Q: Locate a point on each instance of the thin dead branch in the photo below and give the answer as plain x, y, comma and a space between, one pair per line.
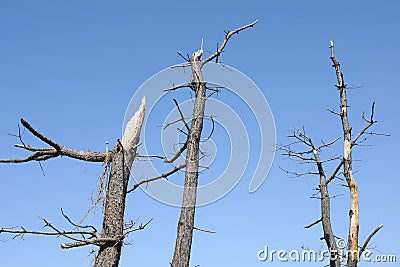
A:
181, 114
162, 176
228, 35
313, 223
175, 87
204, 230
364, 246
180, 151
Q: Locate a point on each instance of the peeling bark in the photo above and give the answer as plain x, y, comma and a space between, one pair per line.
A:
352, 257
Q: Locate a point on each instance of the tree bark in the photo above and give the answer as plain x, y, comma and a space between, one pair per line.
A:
123, 155
183, 244
184, 236
334, 260
352, 256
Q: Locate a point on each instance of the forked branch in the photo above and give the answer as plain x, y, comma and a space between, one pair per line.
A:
41, 154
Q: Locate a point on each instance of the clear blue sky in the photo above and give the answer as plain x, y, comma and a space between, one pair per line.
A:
71, 67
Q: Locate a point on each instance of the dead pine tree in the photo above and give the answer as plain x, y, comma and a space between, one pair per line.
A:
110, 240
311, 155
181, 257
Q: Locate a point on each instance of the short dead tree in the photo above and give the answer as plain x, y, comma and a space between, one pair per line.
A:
305, 151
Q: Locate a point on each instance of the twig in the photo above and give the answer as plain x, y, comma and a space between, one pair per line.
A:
203, 230
212, 129
186, 59
314, 223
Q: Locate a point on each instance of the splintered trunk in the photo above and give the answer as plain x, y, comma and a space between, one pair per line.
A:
122, 157
183, 244
352, 257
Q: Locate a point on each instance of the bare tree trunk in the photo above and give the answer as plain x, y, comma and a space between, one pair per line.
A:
185, 229
183, 244
334, 260
352, 257
123, 155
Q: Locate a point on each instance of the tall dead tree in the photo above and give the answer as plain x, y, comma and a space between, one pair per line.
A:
121, 157
312, 156
181, 257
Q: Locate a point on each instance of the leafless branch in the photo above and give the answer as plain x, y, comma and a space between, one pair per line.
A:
337, 169
313, 223
92, 235
332, 111
185, 65
150, 156
180, 113
298, 174
217, 57
212, 129
369, 238
175, 87
187, 59
328, 144
133, 229
77, 225
228, 35
56, 150
34, 149
180, 151
164, 175
203, 230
